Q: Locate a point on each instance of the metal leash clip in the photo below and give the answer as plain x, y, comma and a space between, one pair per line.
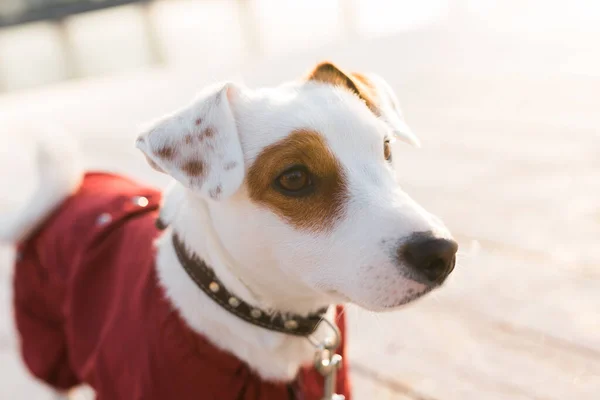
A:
327, 362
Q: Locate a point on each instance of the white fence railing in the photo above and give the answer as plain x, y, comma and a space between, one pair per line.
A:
189, 32
227, 32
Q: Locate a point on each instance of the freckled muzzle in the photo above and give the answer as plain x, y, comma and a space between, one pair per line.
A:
429, 257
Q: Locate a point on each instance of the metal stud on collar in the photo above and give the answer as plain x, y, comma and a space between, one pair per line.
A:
214, 287
290, 324
234, 302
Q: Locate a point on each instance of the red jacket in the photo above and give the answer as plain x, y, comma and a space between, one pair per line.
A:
89, 309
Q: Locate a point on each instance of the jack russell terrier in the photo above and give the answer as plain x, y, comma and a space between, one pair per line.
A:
284, 204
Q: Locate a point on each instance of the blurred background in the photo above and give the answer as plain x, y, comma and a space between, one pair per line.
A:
505, 96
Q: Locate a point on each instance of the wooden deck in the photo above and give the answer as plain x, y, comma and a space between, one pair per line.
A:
510, 160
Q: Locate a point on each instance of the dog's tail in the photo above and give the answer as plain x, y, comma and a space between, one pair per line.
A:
59, 173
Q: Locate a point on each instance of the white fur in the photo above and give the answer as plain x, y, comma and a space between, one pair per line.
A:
59, 173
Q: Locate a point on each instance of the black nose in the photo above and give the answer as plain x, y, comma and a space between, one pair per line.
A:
434, 258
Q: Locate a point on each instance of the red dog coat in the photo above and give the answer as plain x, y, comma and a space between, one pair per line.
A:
89, 309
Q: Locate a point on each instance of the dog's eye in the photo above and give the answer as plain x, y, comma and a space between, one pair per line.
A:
387, 150
294, 181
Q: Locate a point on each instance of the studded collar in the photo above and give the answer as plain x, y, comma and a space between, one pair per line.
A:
207, 281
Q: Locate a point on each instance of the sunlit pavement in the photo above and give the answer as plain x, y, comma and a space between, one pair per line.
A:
510, 161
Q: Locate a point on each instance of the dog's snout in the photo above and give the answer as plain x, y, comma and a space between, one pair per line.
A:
432, 257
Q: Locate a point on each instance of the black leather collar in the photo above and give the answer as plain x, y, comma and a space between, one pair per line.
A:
206, 280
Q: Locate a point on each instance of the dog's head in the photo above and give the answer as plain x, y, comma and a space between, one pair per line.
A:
300, 186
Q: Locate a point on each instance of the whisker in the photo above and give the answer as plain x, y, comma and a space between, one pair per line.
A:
377, 319
434, 296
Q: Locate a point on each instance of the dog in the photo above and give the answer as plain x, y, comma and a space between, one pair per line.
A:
284, 203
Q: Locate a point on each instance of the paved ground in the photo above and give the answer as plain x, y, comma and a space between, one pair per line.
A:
511, 161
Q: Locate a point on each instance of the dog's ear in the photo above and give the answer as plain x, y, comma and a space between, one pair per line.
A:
374, 91
387, 105
199, 145
327, 72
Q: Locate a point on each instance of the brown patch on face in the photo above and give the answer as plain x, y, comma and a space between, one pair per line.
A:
166, 153
359, 84
198, 121
189, 138
193, 168
316, 211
